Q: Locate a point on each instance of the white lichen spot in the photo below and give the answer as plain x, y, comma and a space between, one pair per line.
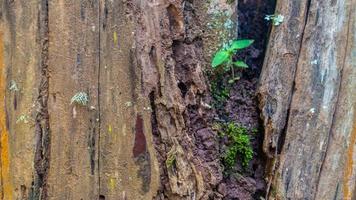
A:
128, 104
23, 118
13, 86
314, 62
147, 108
276, 19
312, 110
228, 24
206, 105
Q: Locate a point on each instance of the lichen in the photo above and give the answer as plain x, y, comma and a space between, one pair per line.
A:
220, 27
80, 98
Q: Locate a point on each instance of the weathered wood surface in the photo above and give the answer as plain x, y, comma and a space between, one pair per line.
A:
73, 65
128, 167
129, 57
19, 67
52, 50
308, 101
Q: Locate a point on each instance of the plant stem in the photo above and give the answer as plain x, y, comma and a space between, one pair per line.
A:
232, 70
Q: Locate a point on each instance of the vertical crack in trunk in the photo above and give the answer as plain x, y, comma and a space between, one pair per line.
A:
282, 135
42, 129
98, 92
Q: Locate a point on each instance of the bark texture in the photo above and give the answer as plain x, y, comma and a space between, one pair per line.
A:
174, 45
52, 148
140, 63
308, 103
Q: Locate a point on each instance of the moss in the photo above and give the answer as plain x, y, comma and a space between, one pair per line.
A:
239, 145
254, 131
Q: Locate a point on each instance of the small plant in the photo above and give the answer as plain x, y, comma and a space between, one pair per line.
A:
240, 145
13, 86
224, 57
80, 98
276, 19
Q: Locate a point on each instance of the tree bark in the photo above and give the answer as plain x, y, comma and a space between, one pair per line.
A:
144, 131
308, 103
141, 65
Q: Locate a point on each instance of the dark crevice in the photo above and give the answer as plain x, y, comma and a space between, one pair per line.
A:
282, 136
42, 129
98, 119
159, 146
241, 106
183, 89
91, 146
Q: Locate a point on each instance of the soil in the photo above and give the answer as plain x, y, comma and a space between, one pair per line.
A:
242, 106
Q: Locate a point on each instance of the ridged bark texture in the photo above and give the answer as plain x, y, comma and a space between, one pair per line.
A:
140, 65
307, 97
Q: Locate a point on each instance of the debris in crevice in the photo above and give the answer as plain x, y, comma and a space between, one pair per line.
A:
42, 128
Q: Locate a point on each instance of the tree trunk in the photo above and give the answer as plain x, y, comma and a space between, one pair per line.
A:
140, 63
109, 99
307, 97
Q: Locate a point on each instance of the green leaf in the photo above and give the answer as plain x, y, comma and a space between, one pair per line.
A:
240, 44
241, 64
219, 58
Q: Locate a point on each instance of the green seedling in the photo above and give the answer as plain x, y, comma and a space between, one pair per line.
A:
224, 57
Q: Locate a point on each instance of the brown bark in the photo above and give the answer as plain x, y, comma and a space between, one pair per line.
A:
172, 50
140, 63
308, 101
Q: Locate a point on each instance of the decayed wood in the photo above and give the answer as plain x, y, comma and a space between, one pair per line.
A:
53, 50
169, 36
317, 153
